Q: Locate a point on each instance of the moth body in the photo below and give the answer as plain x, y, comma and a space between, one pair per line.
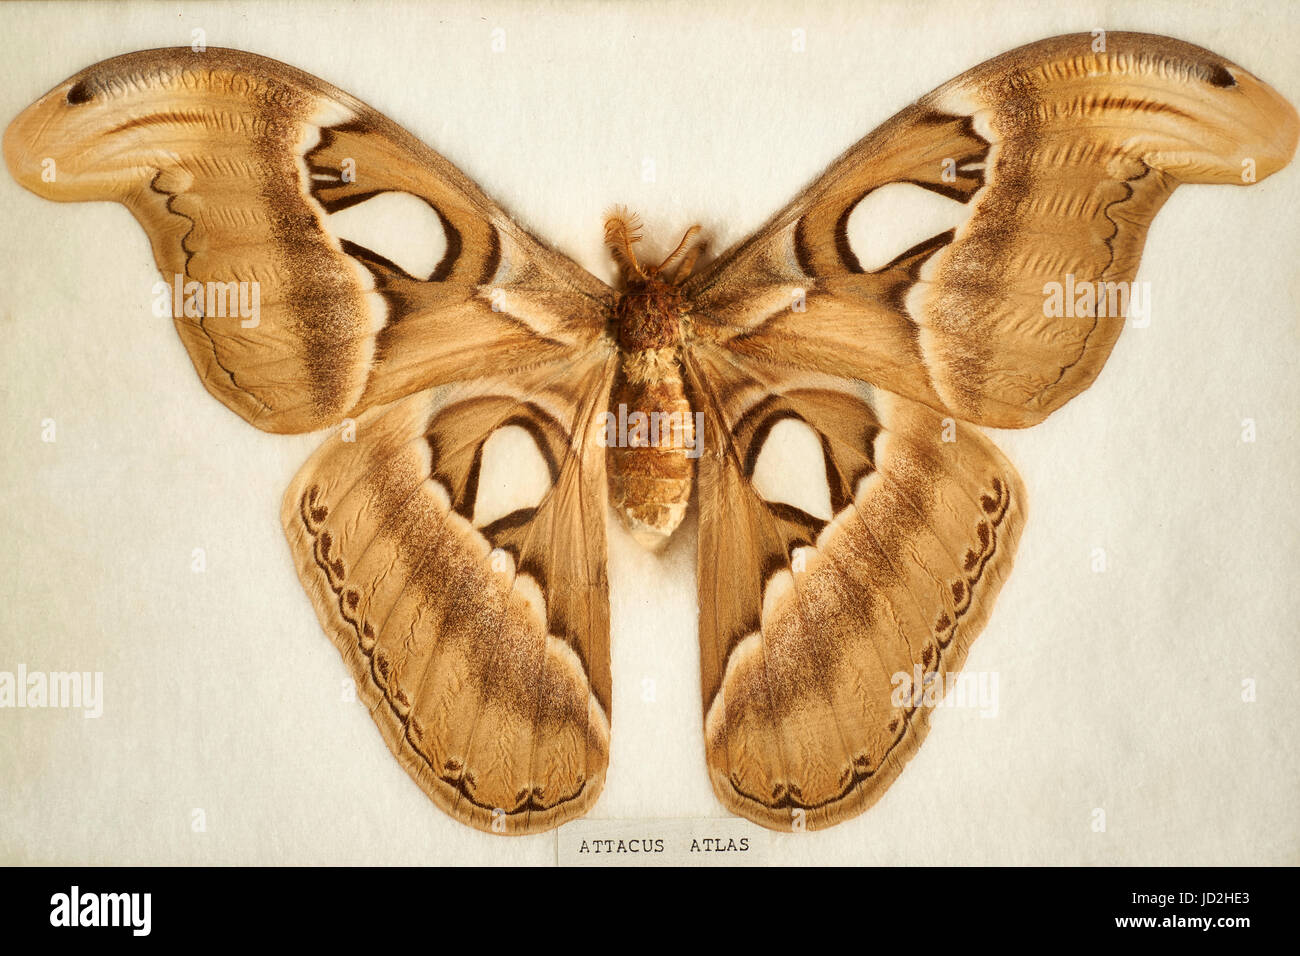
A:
651, 430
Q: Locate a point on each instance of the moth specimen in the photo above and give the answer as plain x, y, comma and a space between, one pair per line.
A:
480, 642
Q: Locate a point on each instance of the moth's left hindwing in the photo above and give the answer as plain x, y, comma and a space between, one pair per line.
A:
482, 651
481, 647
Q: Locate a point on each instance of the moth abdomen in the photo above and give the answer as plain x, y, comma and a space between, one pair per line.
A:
652, 436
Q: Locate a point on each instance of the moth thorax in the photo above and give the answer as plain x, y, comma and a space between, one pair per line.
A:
649, 316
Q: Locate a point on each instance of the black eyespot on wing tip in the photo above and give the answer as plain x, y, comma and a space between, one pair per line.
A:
1221, 76
79, 93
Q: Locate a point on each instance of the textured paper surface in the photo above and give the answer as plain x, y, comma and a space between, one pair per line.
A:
1119, 691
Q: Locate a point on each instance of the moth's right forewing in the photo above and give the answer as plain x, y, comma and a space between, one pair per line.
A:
1062, 154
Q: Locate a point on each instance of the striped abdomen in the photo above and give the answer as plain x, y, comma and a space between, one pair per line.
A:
652, 445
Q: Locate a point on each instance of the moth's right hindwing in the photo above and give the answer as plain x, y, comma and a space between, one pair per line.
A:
813, 631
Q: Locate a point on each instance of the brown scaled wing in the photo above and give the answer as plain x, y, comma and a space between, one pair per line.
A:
811, 630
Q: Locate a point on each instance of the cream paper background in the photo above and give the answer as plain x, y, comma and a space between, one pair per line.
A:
1119, 690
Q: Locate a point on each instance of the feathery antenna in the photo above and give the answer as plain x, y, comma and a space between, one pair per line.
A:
622, 229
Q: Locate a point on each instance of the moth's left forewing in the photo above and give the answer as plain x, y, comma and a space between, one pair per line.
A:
237, 167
